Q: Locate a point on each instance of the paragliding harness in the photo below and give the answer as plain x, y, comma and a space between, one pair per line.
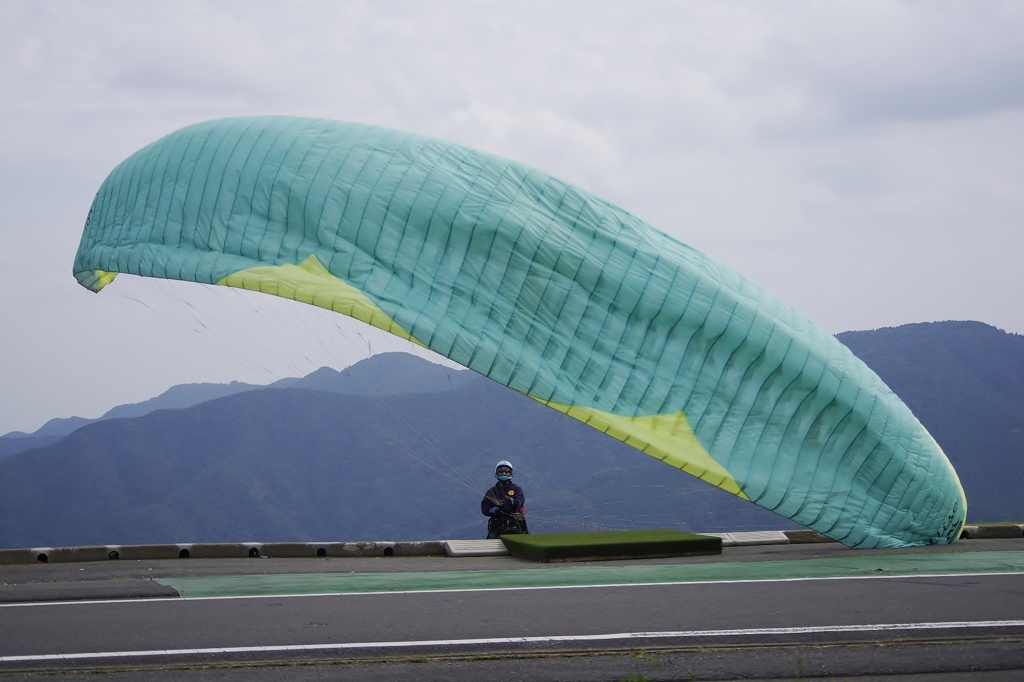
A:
504, 523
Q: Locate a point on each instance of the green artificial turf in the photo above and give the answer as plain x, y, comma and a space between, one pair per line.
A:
619, 544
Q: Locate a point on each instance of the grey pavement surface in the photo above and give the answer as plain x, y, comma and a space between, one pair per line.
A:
387, 617
176, 624
946, 662
113, 579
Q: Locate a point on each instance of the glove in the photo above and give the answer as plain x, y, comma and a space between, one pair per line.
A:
493, 511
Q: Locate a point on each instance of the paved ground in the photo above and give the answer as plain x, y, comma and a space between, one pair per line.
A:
96, 580
776, 612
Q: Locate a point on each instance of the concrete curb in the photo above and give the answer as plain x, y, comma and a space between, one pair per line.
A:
751, 538
220, 550
461, 548
988, 532
240, 550
805, 537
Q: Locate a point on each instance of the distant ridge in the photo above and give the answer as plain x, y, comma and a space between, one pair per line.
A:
965, 382
176, 397
182, 395
382, 374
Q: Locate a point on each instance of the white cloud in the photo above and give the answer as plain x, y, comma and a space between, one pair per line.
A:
860, 159
573, 150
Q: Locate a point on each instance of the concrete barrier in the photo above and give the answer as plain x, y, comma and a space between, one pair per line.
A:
292, 550
352, 549
221, 550
42, 554
985, 532
17, 556
360, 549
139, 552
803, 537
239, 550
225, 550
420, 548
60, 555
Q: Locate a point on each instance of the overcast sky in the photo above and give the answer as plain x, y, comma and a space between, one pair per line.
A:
862, 160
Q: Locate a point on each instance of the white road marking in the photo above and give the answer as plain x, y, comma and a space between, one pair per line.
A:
620, 636
182, 600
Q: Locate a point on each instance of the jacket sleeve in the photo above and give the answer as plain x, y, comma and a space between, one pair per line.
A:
486, 504
517, 501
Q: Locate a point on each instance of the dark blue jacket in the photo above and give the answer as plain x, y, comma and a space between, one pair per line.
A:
498, 496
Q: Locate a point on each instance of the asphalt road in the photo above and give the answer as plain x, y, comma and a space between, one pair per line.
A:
948, 627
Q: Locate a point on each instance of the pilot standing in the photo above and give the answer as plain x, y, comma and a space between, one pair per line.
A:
503, 504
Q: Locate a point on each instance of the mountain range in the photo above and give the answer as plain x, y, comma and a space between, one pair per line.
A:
398, 448
965, 382
403, 377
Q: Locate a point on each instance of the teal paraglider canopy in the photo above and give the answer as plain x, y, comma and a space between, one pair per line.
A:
544, 288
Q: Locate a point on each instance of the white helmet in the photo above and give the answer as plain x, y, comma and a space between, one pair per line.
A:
503, 463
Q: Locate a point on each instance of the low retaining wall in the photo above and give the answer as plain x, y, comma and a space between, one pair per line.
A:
221, 550
240, 550
1002, 530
